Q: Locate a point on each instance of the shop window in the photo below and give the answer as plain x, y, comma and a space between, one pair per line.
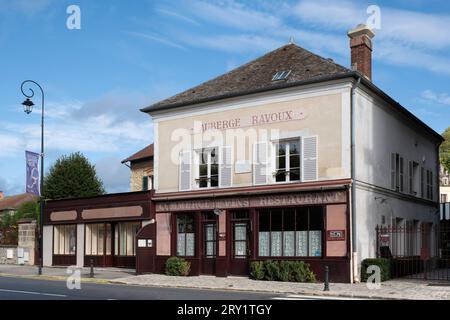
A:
208, 168
185, 235
240, 225
291, 232
287, 161
64, 239
98, 239
125, 238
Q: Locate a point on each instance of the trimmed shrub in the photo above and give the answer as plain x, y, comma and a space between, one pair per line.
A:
257, 270
301, 272
382, 263
283, 270
272, 270
177, 267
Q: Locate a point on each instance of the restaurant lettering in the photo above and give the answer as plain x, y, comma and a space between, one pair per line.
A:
253, 202
254, 120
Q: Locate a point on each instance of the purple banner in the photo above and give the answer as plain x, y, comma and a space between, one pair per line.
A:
32, 172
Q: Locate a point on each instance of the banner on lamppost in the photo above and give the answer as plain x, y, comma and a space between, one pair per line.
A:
32, 160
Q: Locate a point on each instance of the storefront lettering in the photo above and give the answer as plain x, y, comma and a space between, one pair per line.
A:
254, 120
256, 202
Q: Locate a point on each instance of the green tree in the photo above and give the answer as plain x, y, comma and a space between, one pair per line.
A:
72, 176
444, 150
9, 222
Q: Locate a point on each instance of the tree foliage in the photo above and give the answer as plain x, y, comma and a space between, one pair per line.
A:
444, 150
72, 176
9, 221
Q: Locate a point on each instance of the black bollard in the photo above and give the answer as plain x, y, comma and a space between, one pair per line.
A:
40, 267
91, 274
326, 284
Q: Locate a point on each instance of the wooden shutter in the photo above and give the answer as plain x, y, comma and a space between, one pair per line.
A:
410, 177
225, 166
260, 163
185, 171
402, 175
310, 158
144, 183
393, 171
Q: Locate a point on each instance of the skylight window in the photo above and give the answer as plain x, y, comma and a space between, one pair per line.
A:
281, 75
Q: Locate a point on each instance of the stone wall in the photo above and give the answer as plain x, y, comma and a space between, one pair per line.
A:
138, 171
24, 252
27, 242
5, 258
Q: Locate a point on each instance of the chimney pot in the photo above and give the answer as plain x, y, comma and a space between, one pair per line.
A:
361, 49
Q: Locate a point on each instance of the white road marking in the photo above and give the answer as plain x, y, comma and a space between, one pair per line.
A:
301, 297
35, 293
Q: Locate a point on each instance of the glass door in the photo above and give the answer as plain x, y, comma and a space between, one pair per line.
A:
240, 242
209, 250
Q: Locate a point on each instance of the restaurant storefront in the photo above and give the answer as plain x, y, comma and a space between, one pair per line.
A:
101, 229
222, 235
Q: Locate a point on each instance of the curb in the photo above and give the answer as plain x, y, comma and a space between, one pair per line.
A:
53, 278
310, 293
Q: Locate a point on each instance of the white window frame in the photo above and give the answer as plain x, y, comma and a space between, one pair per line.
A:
208, 163
287, 159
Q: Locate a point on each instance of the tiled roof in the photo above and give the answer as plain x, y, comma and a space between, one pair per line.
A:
147, 152
256, 76
13, 202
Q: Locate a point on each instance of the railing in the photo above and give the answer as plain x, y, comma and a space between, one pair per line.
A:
416, 250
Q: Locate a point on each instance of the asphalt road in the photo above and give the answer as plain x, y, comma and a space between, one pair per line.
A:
36, 289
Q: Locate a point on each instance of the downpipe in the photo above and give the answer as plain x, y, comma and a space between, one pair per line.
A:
354, 242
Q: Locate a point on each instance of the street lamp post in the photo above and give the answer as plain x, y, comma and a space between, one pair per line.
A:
28, 107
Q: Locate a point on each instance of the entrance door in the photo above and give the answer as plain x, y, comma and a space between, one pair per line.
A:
209, 250
240, 242
145, 249
98, 245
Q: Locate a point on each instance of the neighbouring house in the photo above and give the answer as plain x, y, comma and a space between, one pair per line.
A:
444, 185
288, 157
101, 229
444, 191
141, 165
10, 204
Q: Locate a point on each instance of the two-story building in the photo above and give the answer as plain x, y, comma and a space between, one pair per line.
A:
290, 156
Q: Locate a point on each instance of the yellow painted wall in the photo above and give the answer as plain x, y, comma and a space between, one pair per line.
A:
322, 117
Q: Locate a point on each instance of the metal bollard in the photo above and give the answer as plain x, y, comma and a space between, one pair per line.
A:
40, 267
326, 283
91, 274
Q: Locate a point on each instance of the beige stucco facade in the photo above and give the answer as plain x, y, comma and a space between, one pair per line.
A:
300, 114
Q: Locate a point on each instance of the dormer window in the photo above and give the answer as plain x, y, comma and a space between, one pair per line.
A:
281, 75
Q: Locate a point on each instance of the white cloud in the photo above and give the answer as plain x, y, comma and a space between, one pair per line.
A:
26, 7
115, 175
240, 43
431, 96
233, 14
103, 125
158, 38
177, 16
10, 145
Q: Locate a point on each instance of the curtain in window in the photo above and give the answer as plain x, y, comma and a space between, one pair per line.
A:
264, 244
64, 239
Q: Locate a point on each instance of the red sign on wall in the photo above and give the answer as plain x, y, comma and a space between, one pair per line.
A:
335, 235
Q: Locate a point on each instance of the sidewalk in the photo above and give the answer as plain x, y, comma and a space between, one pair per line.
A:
393, 289
60, 273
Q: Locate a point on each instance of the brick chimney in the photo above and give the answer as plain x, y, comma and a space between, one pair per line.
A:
1, 195
361, 49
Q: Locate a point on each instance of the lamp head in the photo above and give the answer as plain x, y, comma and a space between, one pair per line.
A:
28, 106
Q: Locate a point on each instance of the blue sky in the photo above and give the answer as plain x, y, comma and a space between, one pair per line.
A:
129, 54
